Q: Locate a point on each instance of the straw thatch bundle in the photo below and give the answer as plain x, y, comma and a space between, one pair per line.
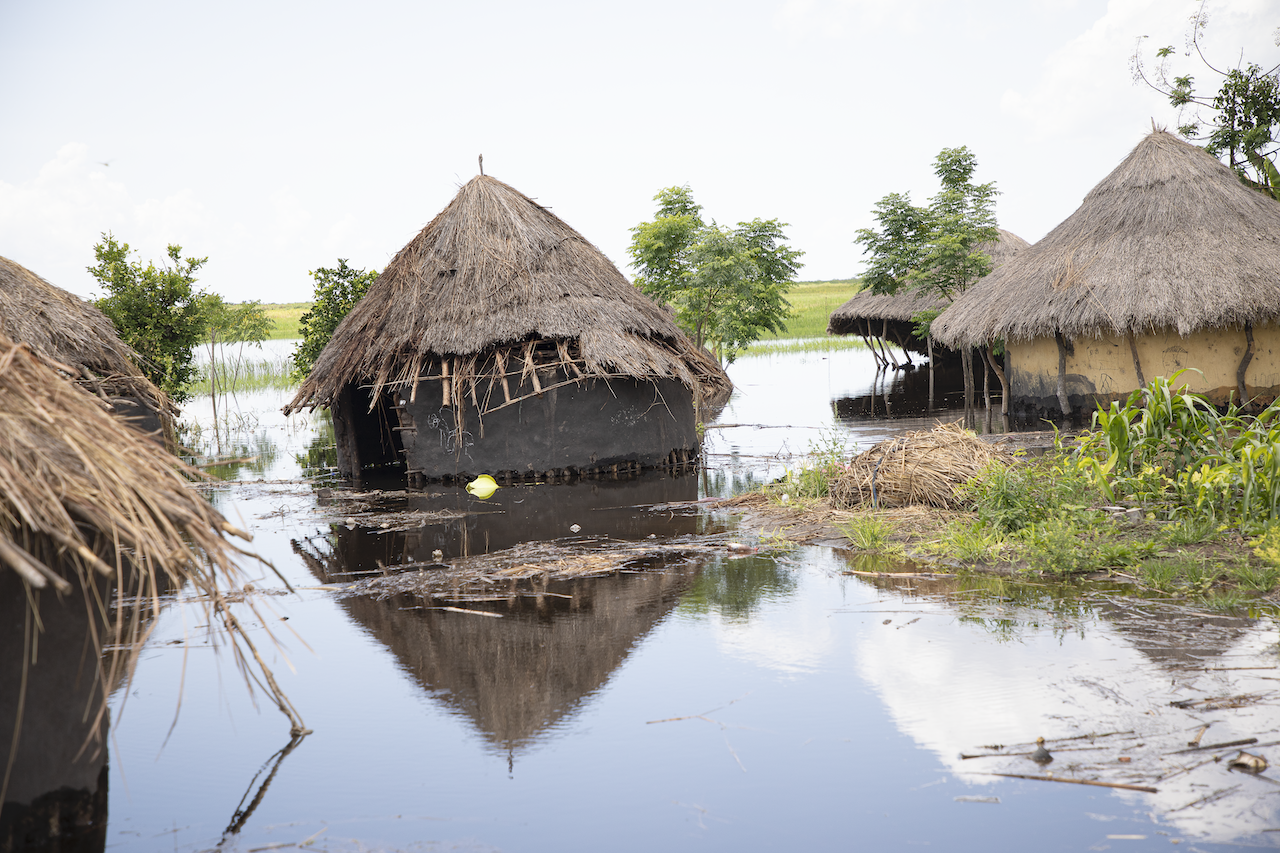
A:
468, 298
1170, 239
851, 317
77, 336
80, 495
918, 468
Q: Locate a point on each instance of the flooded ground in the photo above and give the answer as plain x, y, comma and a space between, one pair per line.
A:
692, 699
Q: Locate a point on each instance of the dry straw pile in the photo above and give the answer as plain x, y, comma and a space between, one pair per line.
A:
918, 468
80, 496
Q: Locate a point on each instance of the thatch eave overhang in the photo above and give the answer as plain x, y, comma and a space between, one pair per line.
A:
1169, 240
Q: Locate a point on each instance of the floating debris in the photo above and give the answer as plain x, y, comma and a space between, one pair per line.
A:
483, 487
1248, 762
527, 568
1041, 755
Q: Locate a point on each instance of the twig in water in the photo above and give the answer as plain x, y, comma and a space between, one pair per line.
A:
1207, 798
1144, 788
463, 610
1187, 769
1224, 745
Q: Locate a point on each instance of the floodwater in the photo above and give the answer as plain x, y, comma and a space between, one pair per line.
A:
764, 702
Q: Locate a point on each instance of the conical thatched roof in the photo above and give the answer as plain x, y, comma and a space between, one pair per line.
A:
1170, 239
904, 305
493, 269
64, 328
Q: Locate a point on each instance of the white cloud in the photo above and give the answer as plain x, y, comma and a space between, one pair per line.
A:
51, 222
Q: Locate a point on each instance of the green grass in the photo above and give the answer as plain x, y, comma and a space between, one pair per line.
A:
248, 374
284, 318
775, 345
813, 302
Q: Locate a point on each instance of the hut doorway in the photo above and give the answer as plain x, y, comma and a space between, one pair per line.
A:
366, 435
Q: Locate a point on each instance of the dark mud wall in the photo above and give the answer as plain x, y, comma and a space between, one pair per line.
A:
589, 425
57, 794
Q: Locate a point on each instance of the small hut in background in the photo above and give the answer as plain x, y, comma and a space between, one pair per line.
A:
884, 320
500, 341
1169, 263
81, 340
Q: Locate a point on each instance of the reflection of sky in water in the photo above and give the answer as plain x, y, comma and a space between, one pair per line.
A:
824, 727
816, 714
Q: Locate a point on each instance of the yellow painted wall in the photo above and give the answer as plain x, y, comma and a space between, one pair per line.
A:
1103, 367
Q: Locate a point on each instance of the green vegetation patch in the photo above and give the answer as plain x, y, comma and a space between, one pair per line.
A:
811, 304
1165, 493
285, 319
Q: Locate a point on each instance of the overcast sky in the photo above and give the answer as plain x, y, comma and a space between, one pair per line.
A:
275, 138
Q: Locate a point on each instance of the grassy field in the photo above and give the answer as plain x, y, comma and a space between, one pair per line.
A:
285, 317
813, 302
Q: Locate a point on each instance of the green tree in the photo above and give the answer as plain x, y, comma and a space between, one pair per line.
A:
898, 247
1238, 123
156, 310
336, 292
727, 286
935, 249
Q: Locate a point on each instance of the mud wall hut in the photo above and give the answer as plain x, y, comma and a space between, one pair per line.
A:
885, 320
1169, 263
83, 342
500, 341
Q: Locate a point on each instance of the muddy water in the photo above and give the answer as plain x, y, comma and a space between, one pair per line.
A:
763, 702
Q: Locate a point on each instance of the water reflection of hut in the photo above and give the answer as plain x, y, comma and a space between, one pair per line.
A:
98, 513
499, 340
884, 320
450, 520
1169, 263
904, 394
517, 676
84, 344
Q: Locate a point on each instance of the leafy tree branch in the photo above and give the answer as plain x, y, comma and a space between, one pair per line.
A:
727, 286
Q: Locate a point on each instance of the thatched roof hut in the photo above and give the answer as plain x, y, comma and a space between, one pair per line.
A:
889, 316
1168, 246
494, 305
83, 342
85, 501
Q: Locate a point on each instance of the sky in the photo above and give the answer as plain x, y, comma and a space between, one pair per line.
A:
274, 138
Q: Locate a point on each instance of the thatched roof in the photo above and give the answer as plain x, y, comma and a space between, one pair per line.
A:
495, 269
1170, 239
63, 327
904, 305
81, 494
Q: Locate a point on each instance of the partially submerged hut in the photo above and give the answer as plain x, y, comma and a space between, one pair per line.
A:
88, 505
1169, 263
83, 342
884, 320
500, 341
